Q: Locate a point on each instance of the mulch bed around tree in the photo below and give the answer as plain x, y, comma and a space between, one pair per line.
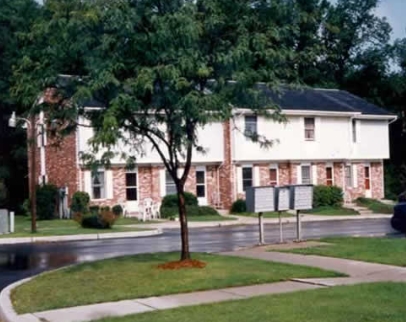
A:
189, 263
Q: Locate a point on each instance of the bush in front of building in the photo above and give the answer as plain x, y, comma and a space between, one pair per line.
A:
171, 201
47, 200
117, 210
94, 210
327, 196
104, 220
238, 206
192, 211
80, 202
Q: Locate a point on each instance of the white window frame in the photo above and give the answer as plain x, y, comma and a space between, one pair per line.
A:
351, 175
310, 173
204, 184
242, 176
250, 126
274, 167
103, 191
330, 165
167, 175
354, 130
309, 129
136, 187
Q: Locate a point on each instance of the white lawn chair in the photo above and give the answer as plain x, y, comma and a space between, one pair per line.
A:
156, 210
148, 207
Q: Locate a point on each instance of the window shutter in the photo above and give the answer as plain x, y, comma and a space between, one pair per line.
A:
239, 180
162, 182
108, 185
256, 179
298, 174
355, 175
314, 174
88, 183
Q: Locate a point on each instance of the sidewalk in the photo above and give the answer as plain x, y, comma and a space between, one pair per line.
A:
51, 239
241, 220
359, 272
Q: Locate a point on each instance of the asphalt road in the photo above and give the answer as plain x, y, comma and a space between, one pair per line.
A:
20, 261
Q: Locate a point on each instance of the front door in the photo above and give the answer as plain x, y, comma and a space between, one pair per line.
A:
367, 179
201, 189
131, 187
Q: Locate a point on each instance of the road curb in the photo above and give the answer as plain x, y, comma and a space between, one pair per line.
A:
7, 313
54, 239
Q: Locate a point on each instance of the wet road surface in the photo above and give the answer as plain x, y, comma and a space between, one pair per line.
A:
20, 261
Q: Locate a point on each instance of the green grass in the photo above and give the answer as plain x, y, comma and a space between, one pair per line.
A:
375, 206
57, 227
122, 221
380, 302
390, 251
332, 211
265, 214
138, 277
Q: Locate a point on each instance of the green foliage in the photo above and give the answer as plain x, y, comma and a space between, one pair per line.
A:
105, 208
80, 202
117, 210
192, 211
94, 210
171, 201
375, 205
3, 194
238, 206
47, 200
395, 181
327, 196
104, 220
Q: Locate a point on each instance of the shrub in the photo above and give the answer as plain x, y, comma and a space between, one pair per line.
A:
238, 206
172, 200
78, 217
327, 196
105, 220
80, 202
192, 211
117, 210
94, 210
47, 199
105, 208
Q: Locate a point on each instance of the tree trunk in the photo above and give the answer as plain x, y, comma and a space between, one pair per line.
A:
184, 231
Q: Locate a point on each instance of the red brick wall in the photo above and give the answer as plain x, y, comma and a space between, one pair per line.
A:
227, 176
377, 175
284, 174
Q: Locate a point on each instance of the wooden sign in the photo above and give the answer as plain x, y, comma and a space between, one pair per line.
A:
283, 198
301, 197
4, 227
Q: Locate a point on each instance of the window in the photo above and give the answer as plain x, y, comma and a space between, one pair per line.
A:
131, 186
250, 125
246, 178
306, 174
348, 176
170, 184
329, 176
273, 176
98, 188
354, 131
309, 128
200, 184
367, 178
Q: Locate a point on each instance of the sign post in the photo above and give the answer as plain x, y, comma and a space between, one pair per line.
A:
261, 229
301, 199
12, 222
260, 200
282, 204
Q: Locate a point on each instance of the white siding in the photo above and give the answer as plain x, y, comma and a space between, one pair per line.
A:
109, 184
372, 140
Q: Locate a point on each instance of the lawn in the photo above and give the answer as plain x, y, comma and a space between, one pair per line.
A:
265, 214
137, 276
380, 302
375, 206
383, 250
331, 211
57, 227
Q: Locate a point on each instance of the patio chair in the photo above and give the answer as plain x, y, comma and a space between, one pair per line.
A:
156, 210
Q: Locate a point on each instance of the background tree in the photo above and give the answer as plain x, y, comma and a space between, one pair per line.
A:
16, 16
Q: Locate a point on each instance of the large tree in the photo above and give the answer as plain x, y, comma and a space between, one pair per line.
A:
160, 69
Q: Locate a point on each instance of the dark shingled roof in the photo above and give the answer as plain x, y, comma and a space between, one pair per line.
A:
329, 100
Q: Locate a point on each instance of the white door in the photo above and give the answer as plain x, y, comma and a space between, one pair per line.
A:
201, 189
367, 179
131, 189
